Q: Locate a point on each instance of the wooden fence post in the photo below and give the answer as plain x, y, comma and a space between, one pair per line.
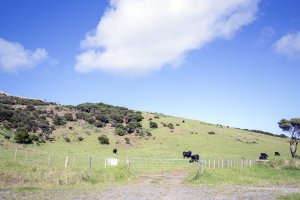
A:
90, 162
66, 163
208, 164
15, 158
73, 162
214, 164
49, 160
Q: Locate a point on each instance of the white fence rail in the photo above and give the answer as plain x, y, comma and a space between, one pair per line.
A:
143, 165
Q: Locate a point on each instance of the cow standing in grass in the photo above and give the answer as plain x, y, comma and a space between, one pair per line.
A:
115, 150
195, 158
187, 154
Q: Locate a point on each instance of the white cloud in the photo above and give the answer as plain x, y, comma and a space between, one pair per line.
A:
289, 45
14, 57
139, 36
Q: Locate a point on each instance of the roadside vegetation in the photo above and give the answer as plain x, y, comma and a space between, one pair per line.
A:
42, 130
275, 172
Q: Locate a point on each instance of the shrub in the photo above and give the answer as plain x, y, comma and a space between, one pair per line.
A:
80, 138
171, 126
67, 139
149, 134
7, 125
120, 132
90, 120
132, 126
34, 137
99, 124
153, 124
177, 124
183, 121
103, 139
68, 117
156, 117
127, 140
22, 137
59, 121
150, 119
30, 107
7, 137
211, 133
101, 118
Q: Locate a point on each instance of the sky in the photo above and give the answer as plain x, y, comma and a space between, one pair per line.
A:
230, 62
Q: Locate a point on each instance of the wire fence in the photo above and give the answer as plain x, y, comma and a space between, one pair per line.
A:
136, 165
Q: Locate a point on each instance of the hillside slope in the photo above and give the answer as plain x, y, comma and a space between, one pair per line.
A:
88, 121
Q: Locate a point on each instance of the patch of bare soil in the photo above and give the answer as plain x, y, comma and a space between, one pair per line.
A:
166, 186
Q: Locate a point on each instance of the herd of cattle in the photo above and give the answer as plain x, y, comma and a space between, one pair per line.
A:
195, 157
188, 154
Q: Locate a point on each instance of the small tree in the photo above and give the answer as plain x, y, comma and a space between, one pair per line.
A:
22, 137
103, 139
293, 128
153, 124
68, 117
57, 120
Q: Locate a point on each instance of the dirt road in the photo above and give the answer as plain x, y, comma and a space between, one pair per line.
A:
167, 186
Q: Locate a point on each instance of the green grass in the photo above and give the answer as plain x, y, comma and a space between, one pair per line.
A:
27, 177
294, 196
259, 175
227, 143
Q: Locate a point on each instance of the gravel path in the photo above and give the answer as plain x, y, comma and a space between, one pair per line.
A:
167, 186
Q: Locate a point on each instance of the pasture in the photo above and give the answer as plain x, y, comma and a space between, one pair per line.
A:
44, 165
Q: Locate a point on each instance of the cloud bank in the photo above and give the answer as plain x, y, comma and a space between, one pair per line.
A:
14, 57
289, 46
135, 37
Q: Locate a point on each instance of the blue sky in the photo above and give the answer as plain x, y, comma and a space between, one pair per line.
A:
234, 63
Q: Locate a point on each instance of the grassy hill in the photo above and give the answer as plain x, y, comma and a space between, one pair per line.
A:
172, 136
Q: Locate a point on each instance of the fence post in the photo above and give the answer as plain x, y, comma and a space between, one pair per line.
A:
208, 164
15, 155
128, 163
214, 164
90, 162
201, 168
66, 163
73, 162
26, 157
222, 163
49, 160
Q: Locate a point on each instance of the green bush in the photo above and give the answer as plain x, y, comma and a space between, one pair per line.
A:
90, 120
132, 126
99, 124
69, 117
7, 136
34, 137
120, 131
127, 140
67, 139
153, 124
59, 121
80, 138
103, 139
171, 126
22, 137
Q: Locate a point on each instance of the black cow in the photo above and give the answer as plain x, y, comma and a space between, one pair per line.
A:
194, 158
187, 154
263, 156
277, 154
115, 150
